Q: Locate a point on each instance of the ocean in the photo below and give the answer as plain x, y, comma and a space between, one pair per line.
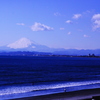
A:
25, 76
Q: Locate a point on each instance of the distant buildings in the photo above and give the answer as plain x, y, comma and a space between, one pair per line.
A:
91, 55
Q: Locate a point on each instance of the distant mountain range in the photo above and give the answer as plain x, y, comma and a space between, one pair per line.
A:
25, 44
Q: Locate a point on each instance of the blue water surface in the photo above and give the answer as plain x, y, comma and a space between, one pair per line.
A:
27, 74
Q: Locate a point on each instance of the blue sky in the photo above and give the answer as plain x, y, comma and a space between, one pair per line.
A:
70, 24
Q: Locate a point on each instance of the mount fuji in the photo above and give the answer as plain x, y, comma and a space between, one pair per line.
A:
25, 44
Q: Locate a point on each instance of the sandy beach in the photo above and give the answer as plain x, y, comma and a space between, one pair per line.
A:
76, 95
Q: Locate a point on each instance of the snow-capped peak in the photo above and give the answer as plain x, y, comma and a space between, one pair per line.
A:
21, 43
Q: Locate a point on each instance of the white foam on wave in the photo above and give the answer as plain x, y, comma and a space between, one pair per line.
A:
16, 89
66, 84
24, 89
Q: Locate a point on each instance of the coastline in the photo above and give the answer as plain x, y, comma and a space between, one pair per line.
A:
75, 95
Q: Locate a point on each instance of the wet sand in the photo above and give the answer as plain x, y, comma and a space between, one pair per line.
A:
76, 95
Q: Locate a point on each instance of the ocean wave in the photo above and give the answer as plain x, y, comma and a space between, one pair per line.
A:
23, 89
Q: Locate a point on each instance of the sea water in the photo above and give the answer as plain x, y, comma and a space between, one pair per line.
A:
24, 76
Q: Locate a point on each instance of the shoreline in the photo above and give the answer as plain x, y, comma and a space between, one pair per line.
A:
75, 95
